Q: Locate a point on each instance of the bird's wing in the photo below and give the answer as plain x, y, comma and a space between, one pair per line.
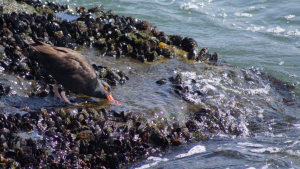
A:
72, 70
68, 67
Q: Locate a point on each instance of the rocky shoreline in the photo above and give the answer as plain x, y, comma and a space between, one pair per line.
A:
91, 137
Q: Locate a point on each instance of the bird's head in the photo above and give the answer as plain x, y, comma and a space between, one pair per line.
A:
103, 90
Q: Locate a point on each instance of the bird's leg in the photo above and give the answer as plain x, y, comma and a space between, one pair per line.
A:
55, 88
63, 95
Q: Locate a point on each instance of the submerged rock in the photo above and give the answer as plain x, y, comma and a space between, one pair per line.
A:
223, 97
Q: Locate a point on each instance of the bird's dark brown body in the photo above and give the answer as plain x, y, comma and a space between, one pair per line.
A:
70, 69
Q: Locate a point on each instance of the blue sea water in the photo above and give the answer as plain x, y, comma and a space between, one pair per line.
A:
260, 34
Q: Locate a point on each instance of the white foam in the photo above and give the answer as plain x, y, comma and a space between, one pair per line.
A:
157, 158
281, 63
224, 15
288, 141
243, 15
297, 126
277, 29
195, 150
187, 6
269, 149
255, 28
289, 17
189, 74
250, 144
156, 161
201, 4
293, 152
293, 33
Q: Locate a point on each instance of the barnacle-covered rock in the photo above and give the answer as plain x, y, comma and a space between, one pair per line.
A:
193, 54
176, 40
214, 57
188, 44
203, 54
151, 56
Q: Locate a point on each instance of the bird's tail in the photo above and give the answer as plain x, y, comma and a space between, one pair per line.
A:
29, 42
33, 42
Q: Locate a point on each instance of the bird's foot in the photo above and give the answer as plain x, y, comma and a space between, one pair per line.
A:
55, 88
76, 104
64, 97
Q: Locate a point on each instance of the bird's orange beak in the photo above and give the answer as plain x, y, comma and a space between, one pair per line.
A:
110, 98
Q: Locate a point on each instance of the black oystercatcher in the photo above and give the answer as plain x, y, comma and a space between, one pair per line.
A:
72, 70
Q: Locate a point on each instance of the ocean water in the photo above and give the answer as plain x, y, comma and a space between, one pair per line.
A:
258, 35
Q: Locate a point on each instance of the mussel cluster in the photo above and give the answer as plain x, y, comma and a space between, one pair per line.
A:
82, 138
113, 35
21, 60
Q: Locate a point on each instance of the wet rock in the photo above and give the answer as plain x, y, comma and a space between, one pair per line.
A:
191, 125
193, 54
155, 32
188, 44
201, 113
141, 58
43, 93
97, 8
23, 67
176, 142
151, 56
214, 57
203, 54
144, 25
162, 81
164, 39
176, 40
159, 139
167, 53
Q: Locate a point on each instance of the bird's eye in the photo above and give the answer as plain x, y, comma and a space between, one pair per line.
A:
106, 88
